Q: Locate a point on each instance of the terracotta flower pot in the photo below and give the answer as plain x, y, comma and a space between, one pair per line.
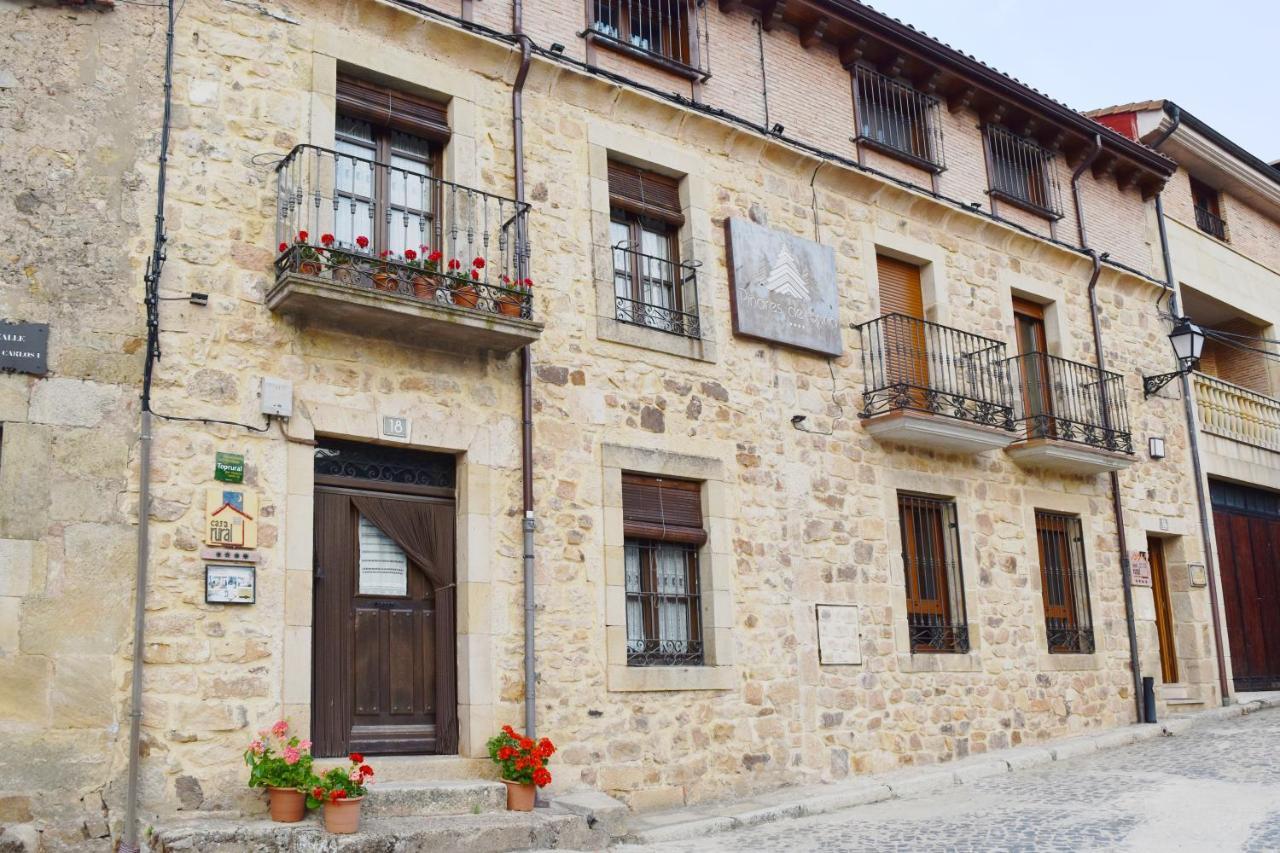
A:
309, 267
466, 296
288, 805
344, 274
342, 817
424, 287
386, 281
519, 796
510, 306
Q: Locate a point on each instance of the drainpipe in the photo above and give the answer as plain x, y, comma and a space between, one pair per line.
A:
1193, 419
526, 377
1117, 507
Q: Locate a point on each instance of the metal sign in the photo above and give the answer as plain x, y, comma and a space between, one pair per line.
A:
24, 348
1139, 568
231, 518
395, 427
229, 584
228, 467
783, 288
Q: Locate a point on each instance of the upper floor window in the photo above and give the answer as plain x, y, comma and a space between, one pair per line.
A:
898, 120
656, 28
1022, 172
935, 584
651, 286
663, 529
1208, 206
1064, 583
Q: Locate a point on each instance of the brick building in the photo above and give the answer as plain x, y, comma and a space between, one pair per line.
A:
823, 451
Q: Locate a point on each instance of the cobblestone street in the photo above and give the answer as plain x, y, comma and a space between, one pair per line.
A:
1214, 788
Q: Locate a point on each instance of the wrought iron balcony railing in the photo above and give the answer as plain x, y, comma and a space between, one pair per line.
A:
1070, 401
376, 227
1210, 223
898, 120
667, 32
655, 292
1023, 172
916, 365
1231, 411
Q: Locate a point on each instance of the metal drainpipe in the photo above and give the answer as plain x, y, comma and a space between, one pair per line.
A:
1193, 420
1117, 506
526, 383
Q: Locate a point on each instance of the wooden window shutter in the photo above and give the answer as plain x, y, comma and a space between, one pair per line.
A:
645, 193
392, 109
660, 509
900, 291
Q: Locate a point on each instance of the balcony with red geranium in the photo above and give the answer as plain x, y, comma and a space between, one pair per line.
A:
375, 249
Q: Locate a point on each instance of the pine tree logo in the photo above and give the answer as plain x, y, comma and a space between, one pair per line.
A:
784, 277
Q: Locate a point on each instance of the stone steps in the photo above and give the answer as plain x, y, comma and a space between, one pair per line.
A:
424, 799
495, 832
429, 768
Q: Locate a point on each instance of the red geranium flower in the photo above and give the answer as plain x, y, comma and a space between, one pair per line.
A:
478, 263
327, 239
505, 753
317, 792
383, 254
284, 247
410, 255
342, 795
435, 256
528, 282
454, 264
302, 236
475, 274
356, 758
542, 777
362, 241
509, 730
366, 770
525, 743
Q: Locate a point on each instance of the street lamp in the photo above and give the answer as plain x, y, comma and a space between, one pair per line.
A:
1188, 343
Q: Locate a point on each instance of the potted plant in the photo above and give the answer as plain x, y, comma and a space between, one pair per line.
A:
515, 294
281, 763
341, 790
385, 278
309, 261
523, 766
464, 291
427, 268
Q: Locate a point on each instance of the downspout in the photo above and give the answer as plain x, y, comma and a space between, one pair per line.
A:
1193, 419
526, 379
129, 841
1117, 506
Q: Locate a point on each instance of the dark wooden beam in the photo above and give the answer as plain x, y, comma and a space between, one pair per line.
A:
811, 35
995, 113
1104, 165
771, 15
931, 83
961, 99
727, 6
851, 52
896, 66
1127, 178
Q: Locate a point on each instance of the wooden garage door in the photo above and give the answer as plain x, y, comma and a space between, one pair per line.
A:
1247, 528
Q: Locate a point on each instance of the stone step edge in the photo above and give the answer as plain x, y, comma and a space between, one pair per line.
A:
437, 798
827, 798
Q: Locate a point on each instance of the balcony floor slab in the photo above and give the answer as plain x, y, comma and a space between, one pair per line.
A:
917, 429
1067, 457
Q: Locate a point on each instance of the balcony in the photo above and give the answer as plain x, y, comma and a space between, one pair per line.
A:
397, 254
655, 293
1210, 223
1075, 419
931, 386
1231, 411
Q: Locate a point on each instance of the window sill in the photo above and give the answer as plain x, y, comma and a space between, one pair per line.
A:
939, 662
618, 332
680, 69
1068, 662
898, 154
636, 679
1022, 204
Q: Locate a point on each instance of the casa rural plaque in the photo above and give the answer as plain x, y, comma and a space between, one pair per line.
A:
783, 288
24, 348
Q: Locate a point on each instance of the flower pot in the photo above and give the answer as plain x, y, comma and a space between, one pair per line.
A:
386, 281
466, 296
309, 267
510, 306
344, 274
288, 805
519, 796
342, 816
424, 287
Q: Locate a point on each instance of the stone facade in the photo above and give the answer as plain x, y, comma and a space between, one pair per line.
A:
795, 519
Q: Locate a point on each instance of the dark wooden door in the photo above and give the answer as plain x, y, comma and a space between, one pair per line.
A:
375, 639
1249, 555
1033, 350
1164, 611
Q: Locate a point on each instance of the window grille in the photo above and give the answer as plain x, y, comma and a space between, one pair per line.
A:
1064, 583
1023, 172
897, 119
658, 28
935, 583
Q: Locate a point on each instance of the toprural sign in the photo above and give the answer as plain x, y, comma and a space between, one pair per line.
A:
784, 288
24, 347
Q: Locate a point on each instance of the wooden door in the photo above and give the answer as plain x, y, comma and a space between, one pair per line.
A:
1037, 400
1164, 611
1249, 558
376, 645
905, 359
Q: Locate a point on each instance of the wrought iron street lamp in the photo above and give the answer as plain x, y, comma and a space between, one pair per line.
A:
1188, 343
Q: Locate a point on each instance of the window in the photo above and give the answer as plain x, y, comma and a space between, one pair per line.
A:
935, 583
1208, 207
658, 28
1022, 172
651, 287
388, 147
662, 523
897, 119
1064, 583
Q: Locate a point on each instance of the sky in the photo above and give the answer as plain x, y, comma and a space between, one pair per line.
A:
1216, 60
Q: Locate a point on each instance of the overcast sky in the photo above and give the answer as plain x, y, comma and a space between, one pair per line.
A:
1217, 60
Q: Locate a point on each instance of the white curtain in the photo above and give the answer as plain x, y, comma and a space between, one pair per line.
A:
673, 606
635, 609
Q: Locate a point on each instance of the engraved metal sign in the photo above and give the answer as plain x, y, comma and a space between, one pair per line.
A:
784, 288
24, 348
839, 638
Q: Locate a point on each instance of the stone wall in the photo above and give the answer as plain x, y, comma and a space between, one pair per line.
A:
804, 519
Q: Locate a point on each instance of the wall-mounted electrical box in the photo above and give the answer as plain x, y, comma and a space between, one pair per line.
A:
277, 397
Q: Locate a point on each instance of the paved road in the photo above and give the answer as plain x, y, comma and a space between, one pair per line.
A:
1215, 788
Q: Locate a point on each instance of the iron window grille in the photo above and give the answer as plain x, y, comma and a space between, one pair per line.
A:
665, 31
1210, 223
1064, 583
1207, 203
1023, 172
664, 604
1069, 401
655, 292
898, 120
916, 365
936, 620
